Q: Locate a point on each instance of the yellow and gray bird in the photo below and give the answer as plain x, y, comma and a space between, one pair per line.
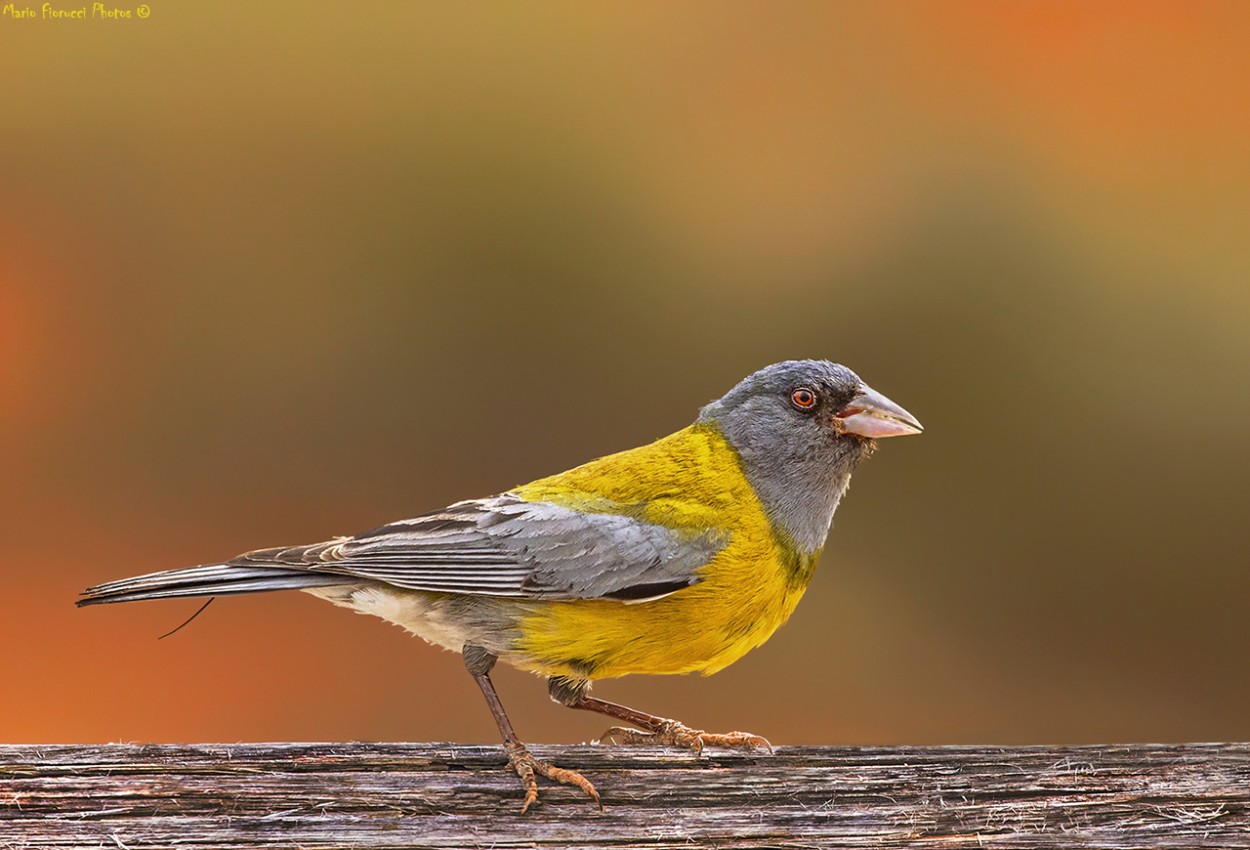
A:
675, 557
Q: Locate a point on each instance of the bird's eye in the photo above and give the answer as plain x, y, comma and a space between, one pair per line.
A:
803, 398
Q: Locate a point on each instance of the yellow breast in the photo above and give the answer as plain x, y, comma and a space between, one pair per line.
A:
690, 480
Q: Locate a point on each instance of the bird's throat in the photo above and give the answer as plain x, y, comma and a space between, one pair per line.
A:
801, 496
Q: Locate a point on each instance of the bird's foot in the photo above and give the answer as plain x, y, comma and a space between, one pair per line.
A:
674, 734
529, 768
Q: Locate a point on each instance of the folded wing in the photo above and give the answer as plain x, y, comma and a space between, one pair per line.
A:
501, 546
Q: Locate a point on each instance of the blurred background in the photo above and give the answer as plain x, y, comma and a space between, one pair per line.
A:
271, 273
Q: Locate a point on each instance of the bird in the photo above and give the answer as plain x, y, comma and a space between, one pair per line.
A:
679, 556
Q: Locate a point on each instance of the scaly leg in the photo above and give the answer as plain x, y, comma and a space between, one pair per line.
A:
479, 662
659, 730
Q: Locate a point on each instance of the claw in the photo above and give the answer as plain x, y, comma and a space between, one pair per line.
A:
528, 768
674, 734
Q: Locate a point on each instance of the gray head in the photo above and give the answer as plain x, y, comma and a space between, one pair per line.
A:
800, 428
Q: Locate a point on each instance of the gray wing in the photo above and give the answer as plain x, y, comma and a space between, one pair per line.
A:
503, 546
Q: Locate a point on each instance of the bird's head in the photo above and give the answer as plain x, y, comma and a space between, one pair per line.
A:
800, 428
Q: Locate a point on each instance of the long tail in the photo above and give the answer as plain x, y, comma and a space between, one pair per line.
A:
208, 580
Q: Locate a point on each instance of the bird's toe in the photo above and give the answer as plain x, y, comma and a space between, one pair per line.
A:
529, 768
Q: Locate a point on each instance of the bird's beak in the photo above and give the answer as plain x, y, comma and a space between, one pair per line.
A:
870, 414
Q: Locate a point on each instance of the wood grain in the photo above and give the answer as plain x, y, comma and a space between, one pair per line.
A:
441, 795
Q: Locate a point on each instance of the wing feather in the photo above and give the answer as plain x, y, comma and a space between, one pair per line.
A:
505, 546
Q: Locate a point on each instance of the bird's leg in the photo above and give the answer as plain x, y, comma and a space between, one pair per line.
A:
658, 730
479, 662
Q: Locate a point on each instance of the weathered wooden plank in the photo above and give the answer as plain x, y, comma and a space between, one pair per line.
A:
440, 796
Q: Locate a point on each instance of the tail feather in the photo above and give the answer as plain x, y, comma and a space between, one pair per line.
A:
207, 580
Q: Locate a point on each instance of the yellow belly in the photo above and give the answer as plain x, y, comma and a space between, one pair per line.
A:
692, 480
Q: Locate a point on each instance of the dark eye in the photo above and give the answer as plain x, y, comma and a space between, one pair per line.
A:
803, 398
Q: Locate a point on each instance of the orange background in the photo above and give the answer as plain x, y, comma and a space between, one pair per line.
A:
270, 274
